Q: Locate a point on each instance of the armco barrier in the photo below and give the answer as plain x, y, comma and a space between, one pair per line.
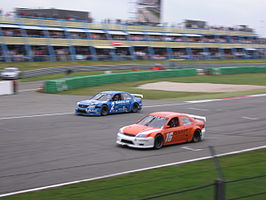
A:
53, 86
237, 70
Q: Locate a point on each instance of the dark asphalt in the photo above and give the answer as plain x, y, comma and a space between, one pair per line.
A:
43, 143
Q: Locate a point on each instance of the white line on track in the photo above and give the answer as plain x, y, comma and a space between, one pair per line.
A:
203, 101
38, 115
222, 99
191, 149
258, 95
131, 171
249, 118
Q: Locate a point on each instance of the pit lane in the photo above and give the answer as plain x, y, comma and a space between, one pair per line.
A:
43, 143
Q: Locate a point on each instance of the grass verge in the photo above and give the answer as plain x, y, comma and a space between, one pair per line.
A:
247, 79
156, 182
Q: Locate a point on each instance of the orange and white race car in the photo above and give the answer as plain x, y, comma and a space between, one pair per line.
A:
162, 128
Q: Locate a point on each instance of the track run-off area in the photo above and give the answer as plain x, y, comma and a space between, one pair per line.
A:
42, 142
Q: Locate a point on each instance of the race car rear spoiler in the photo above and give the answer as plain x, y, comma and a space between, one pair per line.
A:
137, 95
198, 117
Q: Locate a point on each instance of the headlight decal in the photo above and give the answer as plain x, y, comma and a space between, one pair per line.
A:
146, 133
141, 135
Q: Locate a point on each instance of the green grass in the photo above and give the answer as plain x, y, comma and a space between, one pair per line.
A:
154, 182
249, 79
37, 65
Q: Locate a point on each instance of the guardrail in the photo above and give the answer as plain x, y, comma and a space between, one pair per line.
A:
60, 70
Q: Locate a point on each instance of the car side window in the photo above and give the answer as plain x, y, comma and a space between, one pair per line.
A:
174, 122
117, 97
126, 96
186, 121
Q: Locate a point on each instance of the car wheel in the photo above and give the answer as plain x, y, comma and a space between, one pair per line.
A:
135, 108
158, 141
104, 110
196, 136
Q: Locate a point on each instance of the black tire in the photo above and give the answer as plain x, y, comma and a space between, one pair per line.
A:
158, 141
196, 137
135, 108
104, 110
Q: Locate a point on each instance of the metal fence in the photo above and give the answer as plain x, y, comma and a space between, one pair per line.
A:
212, 190
59, 70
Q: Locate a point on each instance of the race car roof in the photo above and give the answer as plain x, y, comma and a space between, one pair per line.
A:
112, 92
164, 114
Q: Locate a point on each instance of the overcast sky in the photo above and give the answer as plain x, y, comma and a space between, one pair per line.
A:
215, 12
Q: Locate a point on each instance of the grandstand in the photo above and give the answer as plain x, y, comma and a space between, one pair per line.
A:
28, 38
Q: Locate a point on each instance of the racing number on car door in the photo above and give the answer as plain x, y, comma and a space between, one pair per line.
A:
117, 104
169, 137
174, 133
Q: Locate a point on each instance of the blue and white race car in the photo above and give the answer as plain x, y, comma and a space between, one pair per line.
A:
109, 102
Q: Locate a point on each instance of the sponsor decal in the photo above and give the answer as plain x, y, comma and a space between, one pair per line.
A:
117, 43
61, 85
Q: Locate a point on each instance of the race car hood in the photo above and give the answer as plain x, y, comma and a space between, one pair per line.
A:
9, 73
135, 129
91, 102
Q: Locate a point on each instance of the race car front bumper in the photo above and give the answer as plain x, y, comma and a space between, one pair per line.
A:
88, 111
135, 142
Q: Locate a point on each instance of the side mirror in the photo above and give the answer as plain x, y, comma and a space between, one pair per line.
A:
167, 126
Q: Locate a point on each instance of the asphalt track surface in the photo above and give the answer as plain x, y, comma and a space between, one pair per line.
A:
43, 143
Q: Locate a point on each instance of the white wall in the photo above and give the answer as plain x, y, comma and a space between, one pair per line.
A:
6, 87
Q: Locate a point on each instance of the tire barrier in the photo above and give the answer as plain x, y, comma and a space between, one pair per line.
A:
58, 85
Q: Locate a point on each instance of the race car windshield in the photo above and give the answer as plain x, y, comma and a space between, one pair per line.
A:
101, 97
10, 70
153, 121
